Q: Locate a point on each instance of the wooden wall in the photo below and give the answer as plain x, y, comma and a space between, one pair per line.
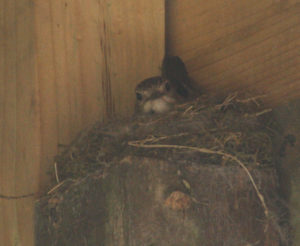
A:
230, 45
19, 121
89, 57
63, 66
66, 64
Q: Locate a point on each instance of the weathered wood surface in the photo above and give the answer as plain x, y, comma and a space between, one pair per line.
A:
19, 121
289, 116
90, 56
229, 45
145, 201
63, 66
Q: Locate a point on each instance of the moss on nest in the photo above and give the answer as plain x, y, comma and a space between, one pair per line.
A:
236, 125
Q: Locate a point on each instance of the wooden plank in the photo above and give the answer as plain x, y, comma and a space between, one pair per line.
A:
288, 116
45, 71
63, 66
238, 45
8, 118
90, 56
27, 154
134, 30
19, 113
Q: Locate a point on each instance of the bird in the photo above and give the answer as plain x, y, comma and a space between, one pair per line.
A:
174, 69
159, 94
155, 95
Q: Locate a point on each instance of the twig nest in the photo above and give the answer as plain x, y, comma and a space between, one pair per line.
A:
178, 200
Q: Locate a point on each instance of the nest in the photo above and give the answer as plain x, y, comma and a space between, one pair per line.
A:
202, 130
233, 138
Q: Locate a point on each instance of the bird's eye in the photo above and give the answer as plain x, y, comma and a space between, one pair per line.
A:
139, 96
167, 86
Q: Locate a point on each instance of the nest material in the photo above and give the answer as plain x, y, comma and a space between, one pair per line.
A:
145, 201
233, 138
238, 127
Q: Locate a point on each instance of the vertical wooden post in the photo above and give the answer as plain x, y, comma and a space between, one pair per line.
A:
19, 121
63, 66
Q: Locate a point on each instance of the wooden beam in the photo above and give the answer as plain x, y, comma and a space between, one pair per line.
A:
63, 66
229, 45
19, 113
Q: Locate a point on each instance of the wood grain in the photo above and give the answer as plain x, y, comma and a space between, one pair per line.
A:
90, 56
140, 28
20, 139
229, 45
63, 66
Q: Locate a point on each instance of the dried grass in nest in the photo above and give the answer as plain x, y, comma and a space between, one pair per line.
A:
226, 133
237, 127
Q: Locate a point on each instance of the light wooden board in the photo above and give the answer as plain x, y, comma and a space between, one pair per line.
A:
229, 45
63, 66
90, 56
20, 136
